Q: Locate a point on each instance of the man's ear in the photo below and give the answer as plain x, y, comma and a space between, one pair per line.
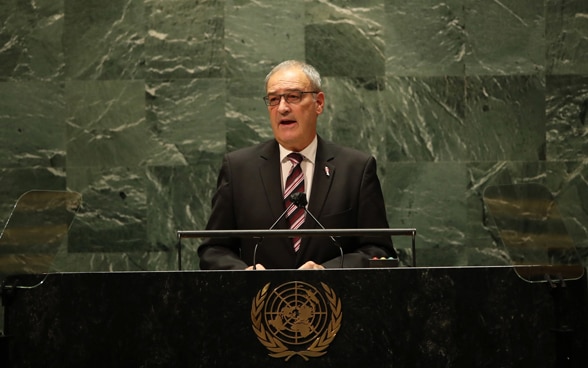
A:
320, 102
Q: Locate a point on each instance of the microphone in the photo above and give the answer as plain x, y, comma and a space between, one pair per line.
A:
300, 201
272, 227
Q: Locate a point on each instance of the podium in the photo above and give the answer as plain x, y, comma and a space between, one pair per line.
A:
402, 317
525, 315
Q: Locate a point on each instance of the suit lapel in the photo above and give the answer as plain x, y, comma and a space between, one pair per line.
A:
324, 174
269, 170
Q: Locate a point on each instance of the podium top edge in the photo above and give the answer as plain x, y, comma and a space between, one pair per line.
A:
252, 233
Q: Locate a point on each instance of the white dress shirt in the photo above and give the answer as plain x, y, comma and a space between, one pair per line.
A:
307, 165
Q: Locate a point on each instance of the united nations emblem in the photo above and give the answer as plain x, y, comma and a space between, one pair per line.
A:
296, 318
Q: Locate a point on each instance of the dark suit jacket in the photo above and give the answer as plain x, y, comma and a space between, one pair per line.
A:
249, 196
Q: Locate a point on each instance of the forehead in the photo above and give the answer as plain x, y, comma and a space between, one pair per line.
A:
287, 79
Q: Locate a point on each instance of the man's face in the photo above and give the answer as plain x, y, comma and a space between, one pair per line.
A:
294, 124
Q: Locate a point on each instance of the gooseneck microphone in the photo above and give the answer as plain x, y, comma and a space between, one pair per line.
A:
300, 201
271, 228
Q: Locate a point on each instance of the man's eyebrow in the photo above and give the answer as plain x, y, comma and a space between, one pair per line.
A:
285, 91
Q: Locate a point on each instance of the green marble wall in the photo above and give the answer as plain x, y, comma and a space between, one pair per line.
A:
133, 102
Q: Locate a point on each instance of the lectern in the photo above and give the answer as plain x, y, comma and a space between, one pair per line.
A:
528, 315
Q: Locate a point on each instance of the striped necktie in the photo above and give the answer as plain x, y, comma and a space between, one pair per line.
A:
294, 184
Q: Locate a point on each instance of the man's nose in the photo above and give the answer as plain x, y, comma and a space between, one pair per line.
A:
283, 106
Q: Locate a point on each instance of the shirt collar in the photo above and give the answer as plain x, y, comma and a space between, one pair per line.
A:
309, 153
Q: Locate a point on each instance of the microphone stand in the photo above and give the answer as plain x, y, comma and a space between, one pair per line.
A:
299, 199
332, 238
270, 228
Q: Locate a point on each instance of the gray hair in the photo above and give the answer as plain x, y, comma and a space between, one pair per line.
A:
311, 73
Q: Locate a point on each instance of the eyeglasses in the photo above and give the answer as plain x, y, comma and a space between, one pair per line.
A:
293, 97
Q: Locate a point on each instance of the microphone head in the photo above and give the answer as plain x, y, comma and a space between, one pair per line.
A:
299, 199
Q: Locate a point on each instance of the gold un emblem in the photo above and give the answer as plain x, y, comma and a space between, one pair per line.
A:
296, 318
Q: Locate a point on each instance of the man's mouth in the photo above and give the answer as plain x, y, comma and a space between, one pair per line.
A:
287, 122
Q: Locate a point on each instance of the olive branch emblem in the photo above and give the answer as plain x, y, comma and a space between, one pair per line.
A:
276, 346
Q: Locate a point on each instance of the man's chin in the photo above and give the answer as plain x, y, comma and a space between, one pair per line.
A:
289, 142
288, 132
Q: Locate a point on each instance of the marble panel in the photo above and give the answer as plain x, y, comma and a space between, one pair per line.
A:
105, 261
355, 114
114, 209
31, 40
426, 119
14, 182
140, 98
481, 229
567, 117
246, 114
260, 34
425, 38
180, 199
429, 197
184, 39
187, 116
32, 125
567, 180
505, 37
566, 34
104, 41
505, 118
345, 38
107, 127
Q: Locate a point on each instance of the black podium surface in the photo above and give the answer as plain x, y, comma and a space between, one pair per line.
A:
402, 317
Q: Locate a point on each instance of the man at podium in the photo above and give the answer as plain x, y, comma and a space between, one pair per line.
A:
267, 186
